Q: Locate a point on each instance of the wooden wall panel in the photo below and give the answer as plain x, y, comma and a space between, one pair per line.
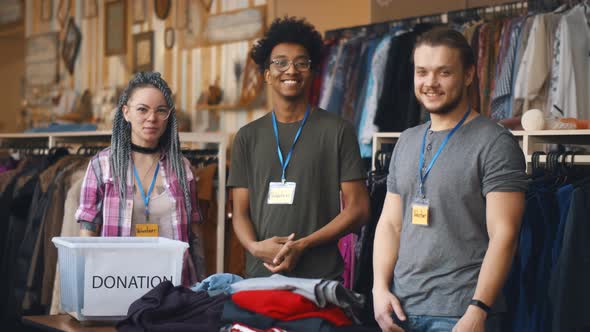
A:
188, 71
325, 15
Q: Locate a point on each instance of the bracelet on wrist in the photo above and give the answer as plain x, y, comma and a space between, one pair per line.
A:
480, 305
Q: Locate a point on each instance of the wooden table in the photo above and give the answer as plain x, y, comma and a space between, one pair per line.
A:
64, 323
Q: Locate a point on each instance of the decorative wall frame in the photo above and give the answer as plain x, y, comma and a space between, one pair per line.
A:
139, 11
162, 8
196, 15
143, 51
233, 26
115, 27
89, 8
169, 38
252, 83
11, 13
204, 29
71, 45
42, 60
46, 10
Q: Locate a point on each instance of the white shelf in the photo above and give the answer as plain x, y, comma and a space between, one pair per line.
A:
518, 133
209, 137
552, 133
386, 135
218, 138
531, 141
578, 159
58, 134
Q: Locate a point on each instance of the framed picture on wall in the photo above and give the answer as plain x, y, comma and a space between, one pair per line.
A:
236, 25
143, 51
63, 11
162, 8
11, 13
71, 45
42, 59
115, 27
139, 11
89, 8
46, 10
196, 17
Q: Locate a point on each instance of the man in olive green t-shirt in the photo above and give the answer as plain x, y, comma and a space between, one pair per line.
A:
287, 207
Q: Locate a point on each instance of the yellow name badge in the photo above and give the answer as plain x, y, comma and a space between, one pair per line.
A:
281, 193
146, 230
420, 214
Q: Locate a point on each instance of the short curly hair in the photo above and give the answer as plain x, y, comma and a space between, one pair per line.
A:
288, 30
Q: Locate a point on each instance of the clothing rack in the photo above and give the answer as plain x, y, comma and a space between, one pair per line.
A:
441, 18
50, 140
550, 5
530, 142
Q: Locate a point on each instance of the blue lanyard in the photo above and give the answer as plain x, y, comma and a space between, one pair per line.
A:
146, 198
423, 176
285, 162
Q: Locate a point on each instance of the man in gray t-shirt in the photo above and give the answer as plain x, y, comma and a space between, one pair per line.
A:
454, 204
287, 203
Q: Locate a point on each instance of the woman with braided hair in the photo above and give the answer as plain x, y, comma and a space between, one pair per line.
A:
142, 185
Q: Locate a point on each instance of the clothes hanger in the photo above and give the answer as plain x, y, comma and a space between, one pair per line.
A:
566, 170
586, 5
552, 164
536, 171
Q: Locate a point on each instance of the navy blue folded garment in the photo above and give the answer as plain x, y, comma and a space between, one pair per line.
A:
175, 309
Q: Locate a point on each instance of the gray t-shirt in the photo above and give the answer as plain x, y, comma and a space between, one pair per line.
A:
325, 155
438, 265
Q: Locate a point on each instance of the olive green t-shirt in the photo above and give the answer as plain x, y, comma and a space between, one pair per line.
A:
325, 155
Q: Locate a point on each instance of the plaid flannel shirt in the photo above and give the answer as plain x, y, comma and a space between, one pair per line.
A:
100, 202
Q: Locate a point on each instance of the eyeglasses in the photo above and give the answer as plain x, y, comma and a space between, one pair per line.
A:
145, 112
300, 64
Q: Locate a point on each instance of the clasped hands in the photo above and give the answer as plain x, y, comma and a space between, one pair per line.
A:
279, 253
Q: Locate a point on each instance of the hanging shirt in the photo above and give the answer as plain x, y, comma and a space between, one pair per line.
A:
374, 89
516, 108
534, 71
329, 73
360, 117
571, 74
501, 105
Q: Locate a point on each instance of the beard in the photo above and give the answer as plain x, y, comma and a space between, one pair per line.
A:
444, 108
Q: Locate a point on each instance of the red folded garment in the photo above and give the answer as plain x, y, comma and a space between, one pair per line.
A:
286, 305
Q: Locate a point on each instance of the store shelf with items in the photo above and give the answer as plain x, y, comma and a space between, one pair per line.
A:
378, 140
189, 140
538, 139
530, 142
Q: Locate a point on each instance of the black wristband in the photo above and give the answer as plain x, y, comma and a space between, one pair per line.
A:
480, 305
